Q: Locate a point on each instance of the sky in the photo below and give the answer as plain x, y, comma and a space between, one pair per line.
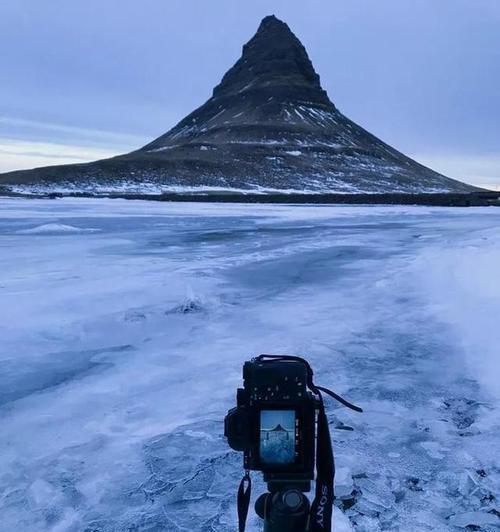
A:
87, 79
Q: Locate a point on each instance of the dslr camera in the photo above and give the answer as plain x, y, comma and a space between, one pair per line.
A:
274, 422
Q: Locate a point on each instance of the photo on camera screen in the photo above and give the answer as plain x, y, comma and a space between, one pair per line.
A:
277, 436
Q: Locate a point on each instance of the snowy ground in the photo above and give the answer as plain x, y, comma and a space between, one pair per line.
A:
124, 326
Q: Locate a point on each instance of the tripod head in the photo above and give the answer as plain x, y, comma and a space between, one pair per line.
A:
285, 510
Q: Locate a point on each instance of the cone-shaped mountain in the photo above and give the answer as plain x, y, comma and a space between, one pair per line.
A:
269, 125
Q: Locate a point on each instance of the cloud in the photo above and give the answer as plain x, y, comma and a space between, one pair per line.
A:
477, 169
49, 131
30, 143
18, 154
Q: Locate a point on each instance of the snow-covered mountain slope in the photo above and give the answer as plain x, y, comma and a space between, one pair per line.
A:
125, 326
268, 126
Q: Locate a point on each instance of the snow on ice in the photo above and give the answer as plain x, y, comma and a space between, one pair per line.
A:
55, 228
123, 339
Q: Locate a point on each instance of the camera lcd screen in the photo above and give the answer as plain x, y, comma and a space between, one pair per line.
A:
277, 436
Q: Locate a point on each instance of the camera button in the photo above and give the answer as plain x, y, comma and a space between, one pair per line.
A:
292, 499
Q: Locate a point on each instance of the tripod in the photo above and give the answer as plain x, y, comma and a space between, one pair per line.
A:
284, 510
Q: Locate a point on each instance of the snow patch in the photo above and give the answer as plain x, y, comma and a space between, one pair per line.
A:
464, 286
474, 519
163, 148
55, 228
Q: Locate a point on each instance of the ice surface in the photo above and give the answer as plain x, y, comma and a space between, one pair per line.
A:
121, 350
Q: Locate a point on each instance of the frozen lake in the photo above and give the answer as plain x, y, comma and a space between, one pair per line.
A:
124, 327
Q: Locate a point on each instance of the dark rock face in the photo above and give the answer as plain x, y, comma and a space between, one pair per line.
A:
268, 126
274, 57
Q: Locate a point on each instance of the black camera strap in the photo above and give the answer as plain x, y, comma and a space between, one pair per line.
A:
322, 506
244, 500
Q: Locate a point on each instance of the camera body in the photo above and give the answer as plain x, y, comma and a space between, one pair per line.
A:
274, 422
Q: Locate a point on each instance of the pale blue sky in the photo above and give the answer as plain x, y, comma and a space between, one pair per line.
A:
83, 79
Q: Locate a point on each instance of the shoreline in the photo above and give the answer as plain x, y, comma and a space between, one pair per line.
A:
473, 199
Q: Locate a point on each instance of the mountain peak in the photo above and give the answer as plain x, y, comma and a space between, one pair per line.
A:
273, 58
272, 19
270, 22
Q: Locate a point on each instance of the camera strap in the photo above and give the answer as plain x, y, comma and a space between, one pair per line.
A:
244, 500
322, 506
